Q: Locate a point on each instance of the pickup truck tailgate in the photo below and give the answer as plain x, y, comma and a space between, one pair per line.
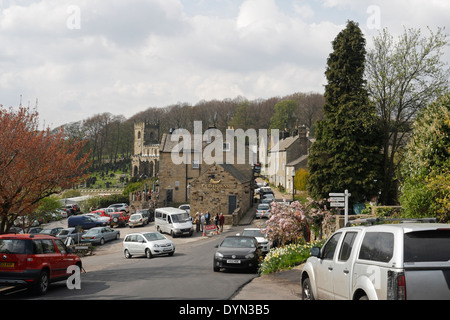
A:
427, 264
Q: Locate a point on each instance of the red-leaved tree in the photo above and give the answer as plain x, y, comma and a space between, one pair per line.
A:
34, 163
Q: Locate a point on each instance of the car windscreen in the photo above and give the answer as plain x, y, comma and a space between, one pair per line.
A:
252, 233
180, 217
153, 236
13, 246
264, 206
238, 242
427, 246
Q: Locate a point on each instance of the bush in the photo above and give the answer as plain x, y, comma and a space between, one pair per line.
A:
287, 257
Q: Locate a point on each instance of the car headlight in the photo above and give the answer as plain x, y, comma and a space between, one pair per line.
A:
219, 255
156, 245
250, 256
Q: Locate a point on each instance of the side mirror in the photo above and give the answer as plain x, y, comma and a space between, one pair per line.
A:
315, 252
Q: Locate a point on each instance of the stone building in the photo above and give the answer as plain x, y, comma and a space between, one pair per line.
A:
145, 161
205, 185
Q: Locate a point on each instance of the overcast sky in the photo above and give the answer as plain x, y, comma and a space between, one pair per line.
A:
79, 58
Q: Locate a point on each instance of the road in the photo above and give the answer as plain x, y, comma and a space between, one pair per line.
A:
188, 274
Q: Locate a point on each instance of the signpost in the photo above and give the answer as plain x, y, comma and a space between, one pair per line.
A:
340, 200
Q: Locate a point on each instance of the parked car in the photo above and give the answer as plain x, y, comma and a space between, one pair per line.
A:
100, 235
263, 210
263, 242
73, 233
34, 261
51, 231
137, 219
95, 216
72, 209
186, 207
237, 252
84, 222
174, 221
119, 219
149, 244
120, 207
149, 213
390, 261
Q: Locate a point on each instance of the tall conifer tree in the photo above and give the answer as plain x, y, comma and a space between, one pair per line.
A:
346, 154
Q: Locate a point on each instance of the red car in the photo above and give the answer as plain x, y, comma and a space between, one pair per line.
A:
34, 260
119, 219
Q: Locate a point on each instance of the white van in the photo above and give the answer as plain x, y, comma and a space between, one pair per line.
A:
174, 221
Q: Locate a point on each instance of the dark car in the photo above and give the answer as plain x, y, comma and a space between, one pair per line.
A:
237, 252
34, 260
84, 222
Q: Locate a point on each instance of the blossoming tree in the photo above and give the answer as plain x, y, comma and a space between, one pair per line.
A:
34, 164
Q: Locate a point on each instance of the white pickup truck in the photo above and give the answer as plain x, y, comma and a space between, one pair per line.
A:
390, 261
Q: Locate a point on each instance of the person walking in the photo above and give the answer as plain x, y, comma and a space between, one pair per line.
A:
216, 221
197, 222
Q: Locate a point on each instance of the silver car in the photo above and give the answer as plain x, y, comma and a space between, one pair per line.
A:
137, 219
149, 244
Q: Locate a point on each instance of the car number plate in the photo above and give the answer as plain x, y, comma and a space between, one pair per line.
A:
6, 264
234, 261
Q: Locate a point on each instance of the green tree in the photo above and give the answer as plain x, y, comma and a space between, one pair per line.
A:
284, 117
426, 187
403, 76
346, 154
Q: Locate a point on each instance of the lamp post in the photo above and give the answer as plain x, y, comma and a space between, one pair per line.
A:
293, 186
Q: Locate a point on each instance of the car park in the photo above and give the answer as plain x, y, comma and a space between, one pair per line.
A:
381, 262
263, 210
263, 242
100, 235
34, 260
118, 219
137, 219
149, 244
174, 221
237, 252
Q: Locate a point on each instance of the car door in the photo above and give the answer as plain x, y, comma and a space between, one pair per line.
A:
66, 259
140, 244
325, 267
343, 267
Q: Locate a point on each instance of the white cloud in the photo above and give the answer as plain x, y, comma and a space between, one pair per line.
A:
129, 55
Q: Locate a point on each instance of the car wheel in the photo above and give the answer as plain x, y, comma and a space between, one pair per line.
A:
148, 253
42, 284
117, 236
216, 269
307, 293
102, 241
127, 254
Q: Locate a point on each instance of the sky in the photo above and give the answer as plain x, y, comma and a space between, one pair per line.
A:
74, 59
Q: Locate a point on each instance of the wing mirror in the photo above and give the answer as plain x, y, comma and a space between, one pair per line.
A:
315, 252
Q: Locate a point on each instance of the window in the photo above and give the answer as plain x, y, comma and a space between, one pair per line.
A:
430, 245
61, 247
195, 164
47, 246
347, 245
330, 247
377, 246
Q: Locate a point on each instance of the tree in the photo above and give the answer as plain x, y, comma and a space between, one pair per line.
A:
404, 76
34, 164
284, 117
426, 167
346, 154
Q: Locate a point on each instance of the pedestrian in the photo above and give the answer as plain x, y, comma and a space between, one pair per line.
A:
216, 221
221, 221
202, 221
197, 222
207, 217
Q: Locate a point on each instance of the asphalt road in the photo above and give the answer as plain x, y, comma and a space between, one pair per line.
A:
188, 274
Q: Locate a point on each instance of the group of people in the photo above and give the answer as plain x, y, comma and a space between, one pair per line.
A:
202, 219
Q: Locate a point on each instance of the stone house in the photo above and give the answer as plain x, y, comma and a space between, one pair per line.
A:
287, 155
205, 184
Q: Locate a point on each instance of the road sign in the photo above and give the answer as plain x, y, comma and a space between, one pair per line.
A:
337, 204
337, 194
337, 199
